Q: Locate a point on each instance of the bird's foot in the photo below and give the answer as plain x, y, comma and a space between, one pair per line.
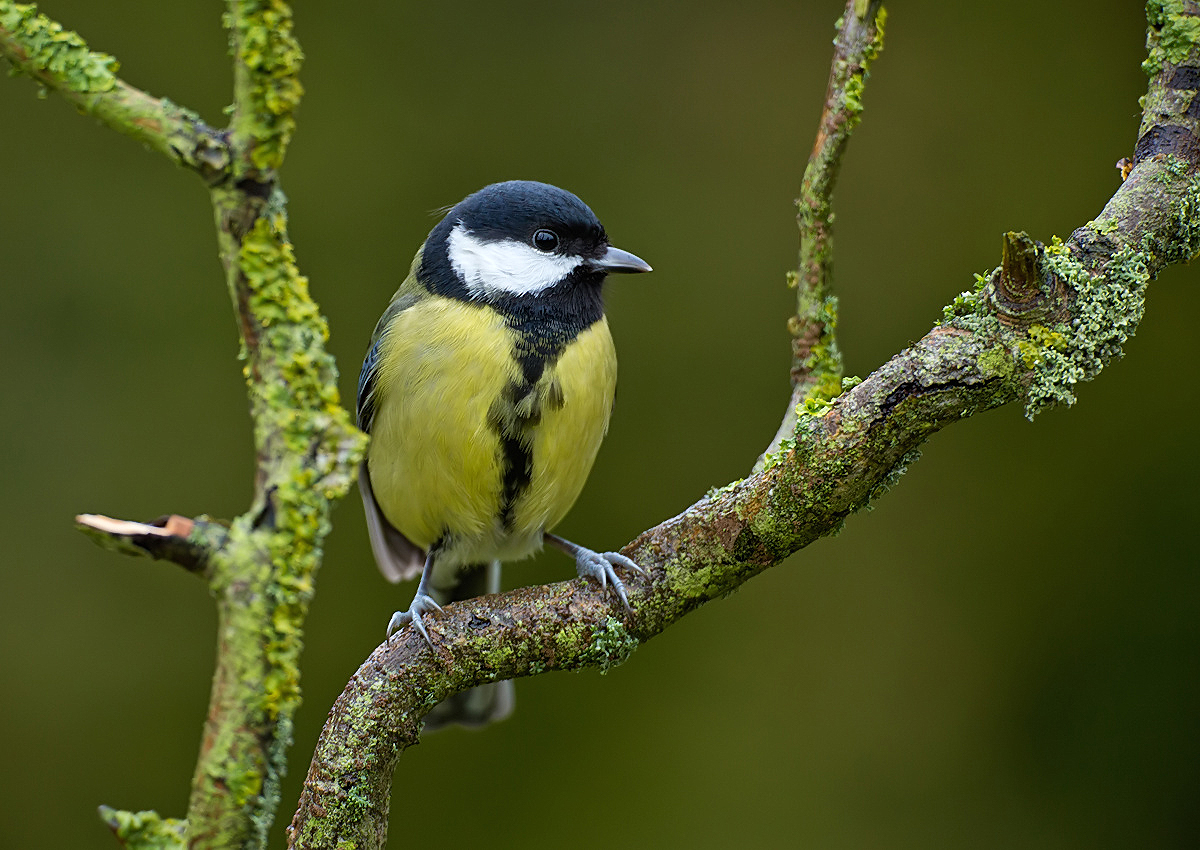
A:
422, 603
601, 566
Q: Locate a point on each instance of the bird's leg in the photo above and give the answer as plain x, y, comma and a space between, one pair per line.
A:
422, 603
597, 565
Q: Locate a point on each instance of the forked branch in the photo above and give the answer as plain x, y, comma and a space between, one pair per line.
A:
261, 567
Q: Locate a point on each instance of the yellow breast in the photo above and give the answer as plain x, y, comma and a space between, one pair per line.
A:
565, 443
446, 405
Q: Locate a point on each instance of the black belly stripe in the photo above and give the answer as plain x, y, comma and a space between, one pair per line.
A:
533, 363
517, 460
543, 327
515, 419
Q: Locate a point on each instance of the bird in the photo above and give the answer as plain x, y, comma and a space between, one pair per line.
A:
486, 391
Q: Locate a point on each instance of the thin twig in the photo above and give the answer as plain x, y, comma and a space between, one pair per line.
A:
61, 61
816, 359
182, 540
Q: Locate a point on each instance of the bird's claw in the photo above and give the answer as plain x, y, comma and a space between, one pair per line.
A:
422, 604
601, 567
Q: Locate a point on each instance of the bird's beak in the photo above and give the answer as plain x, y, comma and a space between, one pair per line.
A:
616, 260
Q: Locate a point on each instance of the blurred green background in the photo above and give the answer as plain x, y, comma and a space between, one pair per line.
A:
1003, 653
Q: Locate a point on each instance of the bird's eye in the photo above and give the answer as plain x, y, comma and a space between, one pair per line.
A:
545, 240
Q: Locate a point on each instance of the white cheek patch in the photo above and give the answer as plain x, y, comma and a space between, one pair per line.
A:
507, 266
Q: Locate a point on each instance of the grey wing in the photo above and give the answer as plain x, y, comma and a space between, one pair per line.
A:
398, 558
368, 376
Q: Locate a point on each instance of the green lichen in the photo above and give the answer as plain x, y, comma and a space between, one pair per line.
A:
816, 403
1108, 309
498, 657
1057, 247
693, 582
1183, 243
147, 830
611, 645
715, 493
50, 51
1172, 34
827, 386
565, 640
876, 46
971, 310
815, 309
853, 92
770, 461
1109, 225
972, 302
821, 369
605, 646
996, 362
293, 331
771, 530
853, 76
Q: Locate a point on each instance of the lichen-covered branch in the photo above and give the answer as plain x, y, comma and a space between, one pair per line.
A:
263, 579
816, 360
266, 84
261, 567
1049, 317
60, 60
307, 452
144, 830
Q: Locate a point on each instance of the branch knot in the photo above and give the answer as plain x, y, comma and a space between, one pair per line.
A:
1023, 290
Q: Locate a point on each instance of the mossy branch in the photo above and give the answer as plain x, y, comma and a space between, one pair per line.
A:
266, 84
144, 830
60, 61
1049, 317
261, 567
307, 450
816, 359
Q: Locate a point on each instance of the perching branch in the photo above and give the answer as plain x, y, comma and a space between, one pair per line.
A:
1048, 318
261, 568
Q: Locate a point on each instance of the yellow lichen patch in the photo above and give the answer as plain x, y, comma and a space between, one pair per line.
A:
268, 88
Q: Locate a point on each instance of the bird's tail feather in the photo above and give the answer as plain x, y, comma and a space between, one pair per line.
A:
398, 558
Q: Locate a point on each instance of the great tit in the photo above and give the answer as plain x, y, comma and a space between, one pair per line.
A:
486, 390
